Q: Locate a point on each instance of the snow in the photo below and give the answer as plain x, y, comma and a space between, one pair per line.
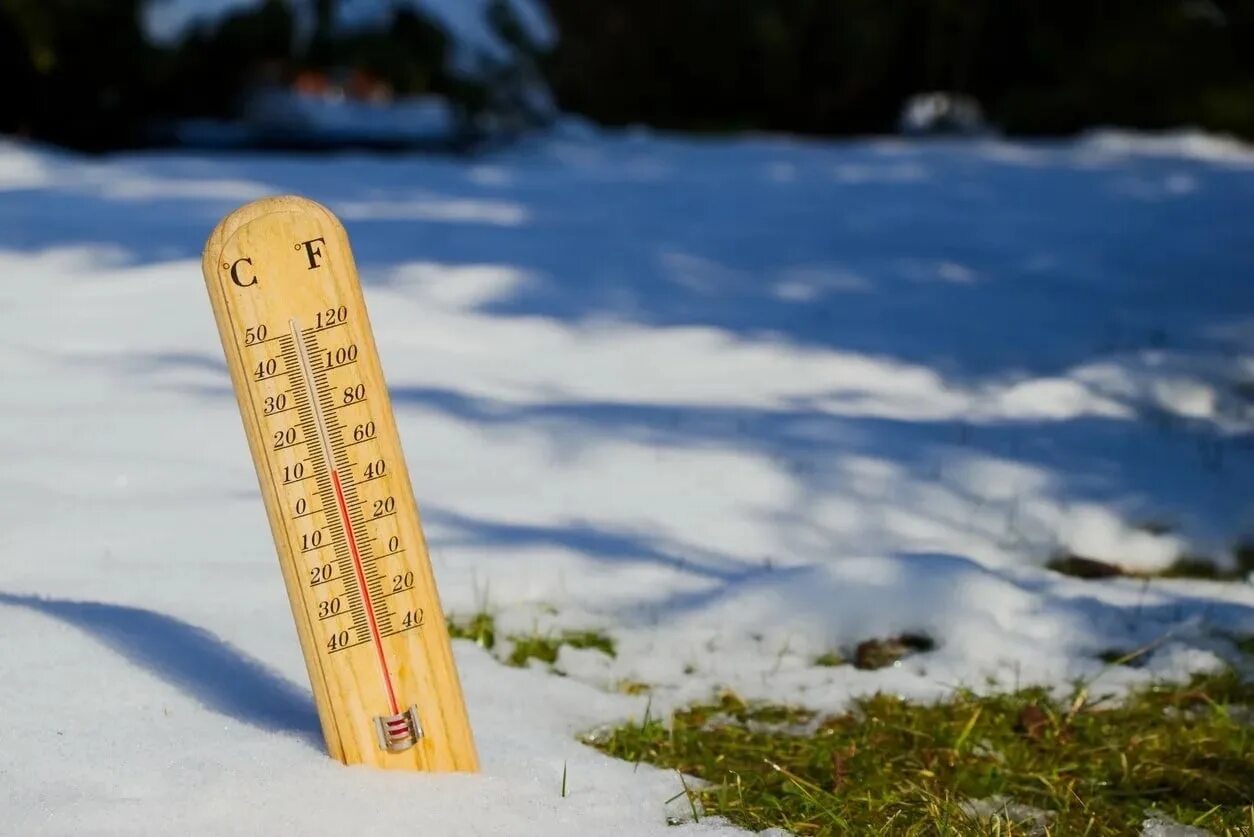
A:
166, 22
467, 22
1186, 144
1158, 825
284, 113
736, 403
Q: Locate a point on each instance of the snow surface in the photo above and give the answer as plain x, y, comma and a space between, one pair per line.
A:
736, 403
288, 113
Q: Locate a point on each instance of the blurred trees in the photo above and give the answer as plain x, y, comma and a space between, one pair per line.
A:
845, 66
81, 72
217, 62
73, 69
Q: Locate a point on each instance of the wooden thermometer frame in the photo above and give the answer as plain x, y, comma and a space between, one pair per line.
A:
320, 428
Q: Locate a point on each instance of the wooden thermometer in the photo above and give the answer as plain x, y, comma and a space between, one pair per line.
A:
319, 423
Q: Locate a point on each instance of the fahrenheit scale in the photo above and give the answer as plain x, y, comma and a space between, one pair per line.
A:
319, 422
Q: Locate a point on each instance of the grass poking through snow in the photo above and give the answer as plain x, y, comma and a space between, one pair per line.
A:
1005, 764
1185, 566
544, 647
523, 648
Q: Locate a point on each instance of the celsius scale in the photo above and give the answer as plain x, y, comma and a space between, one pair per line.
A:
319, 423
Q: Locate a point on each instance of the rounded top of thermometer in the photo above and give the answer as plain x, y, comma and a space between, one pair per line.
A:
259, 208
319, 422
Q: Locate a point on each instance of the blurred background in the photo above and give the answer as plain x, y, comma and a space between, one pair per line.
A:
100, 74
740, 335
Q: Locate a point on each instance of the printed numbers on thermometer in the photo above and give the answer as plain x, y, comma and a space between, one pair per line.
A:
320, 427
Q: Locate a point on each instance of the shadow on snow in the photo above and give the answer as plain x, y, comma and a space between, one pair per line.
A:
207, 669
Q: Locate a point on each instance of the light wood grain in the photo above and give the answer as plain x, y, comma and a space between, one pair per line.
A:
283, 280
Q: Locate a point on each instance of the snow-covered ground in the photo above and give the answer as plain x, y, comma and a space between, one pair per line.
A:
735, 403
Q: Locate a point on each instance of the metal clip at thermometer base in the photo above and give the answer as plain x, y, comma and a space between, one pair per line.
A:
398, 732
319, 423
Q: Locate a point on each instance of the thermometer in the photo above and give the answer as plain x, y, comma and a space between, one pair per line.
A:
319, 423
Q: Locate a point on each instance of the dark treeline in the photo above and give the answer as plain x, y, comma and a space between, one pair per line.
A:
845, 66
72, 71
80, 71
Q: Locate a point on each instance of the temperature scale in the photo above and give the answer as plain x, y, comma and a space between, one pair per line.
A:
319, 422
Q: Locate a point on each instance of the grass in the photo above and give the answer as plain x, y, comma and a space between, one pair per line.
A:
881, 653
877, 653
481, 628
1185, 566
1201, 567
1037, 766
